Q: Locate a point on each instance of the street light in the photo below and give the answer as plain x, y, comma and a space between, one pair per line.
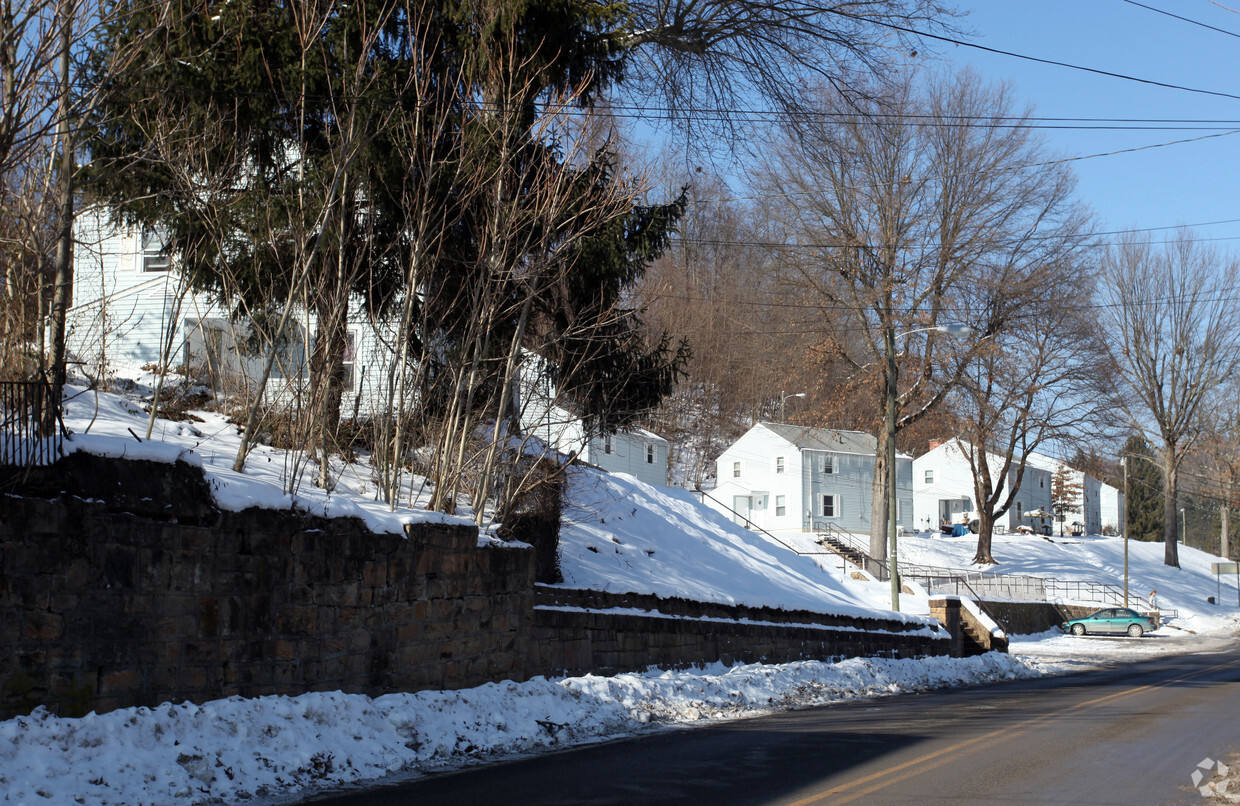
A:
782, 398
889, 337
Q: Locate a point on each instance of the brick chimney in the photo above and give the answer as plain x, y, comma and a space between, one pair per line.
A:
934, 443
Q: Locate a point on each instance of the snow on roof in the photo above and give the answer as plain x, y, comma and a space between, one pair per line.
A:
826, 439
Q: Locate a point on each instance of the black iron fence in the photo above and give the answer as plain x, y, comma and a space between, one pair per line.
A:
31, 429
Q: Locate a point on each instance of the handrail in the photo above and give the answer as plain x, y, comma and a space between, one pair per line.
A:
750, 525
978, 584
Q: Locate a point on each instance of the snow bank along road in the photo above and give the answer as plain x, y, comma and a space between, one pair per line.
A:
1124, 735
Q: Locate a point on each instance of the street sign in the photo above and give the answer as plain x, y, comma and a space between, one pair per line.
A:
1225, 568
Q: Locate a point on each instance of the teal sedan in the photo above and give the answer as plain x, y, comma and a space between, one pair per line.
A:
1112, 621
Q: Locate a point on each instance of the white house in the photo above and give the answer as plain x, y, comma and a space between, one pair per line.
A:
792, 478
1088, 505
943, 488
635, 451
1112, 514
130, 306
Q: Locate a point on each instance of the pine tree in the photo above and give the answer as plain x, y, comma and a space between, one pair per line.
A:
307, 129
1144, 496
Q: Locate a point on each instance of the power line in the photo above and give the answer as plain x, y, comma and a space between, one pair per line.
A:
1052, 62
1091, 236
1021, 167
1183, 19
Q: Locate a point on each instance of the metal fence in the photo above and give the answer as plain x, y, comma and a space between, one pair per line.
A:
31, 430
1012, 587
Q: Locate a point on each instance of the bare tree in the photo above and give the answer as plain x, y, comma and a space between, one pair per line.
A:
1218, 461
1041, 380
720, 54
720, 288
1174, 335
1066, 494
904, 209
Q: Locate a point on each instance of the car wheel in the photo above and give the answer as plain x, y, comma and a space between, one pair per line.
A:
1135, 631
1078, 629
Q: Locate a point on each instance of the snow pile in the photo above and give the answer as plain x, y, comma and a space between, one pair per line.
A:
238, 749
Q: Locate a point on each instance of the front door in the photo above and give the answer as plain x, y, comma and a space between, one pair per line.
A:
742, 511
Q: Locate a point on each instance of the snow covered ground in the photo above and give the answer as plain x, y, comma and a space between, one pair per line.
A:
619, 535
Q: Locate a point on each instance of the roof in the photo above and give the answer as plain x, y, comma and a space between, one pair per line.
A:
826, 439
1041, 460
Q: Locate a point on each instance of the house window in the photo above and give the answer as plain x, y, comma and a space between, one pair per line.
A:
830, 506
929, 477
736, 470
153, 256
828, 464
779, 464
649, 454
350, 359
780, 508
1042, 482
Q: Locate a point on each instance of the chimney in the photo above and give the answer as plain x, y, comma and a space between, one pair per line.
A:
934, 443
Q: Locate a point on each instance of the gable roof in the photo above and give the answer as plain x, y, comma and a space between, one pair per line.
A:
825, 439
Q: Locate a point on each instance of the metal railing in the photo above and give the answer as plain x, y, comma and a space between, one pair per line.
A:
31, 429
753, 527
871, 565
1015, 587
976, 585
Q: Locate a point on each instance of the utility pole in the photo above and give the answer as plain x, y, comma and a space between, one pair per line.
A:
1124, 525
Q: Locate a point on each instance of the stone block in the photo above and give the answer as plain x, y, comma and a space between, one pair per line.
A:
42, 626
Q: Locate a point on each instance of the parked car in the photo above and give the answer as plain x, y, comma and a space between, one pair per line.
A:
1111, 621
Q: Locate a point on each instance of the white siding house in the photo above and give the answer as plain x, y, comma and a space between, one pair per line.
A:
1090, 502
1111, 509
129, 305
635, 451
943, 488
790, 478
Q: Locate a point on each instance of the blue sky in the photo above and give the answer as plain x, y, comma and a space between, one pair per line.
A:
1190, 183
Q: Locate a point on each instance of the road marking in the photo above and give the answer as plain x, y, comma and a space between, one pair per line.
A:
931, 761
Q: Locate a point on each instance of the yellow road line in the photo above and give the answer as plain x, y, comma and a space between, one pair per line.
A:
931, 761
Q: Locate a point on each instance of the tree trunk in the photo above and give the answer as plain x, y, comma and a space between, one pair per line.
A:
327, 366
1171, 523
985, 536
62, 293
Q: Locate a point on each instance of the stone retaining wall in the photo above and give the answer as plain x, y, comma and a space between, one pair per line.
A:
121, 584
1025, 618
579, 631
100, 609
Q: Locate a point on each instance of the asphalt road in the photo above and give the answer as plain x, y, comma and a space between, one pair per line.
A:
1130, 735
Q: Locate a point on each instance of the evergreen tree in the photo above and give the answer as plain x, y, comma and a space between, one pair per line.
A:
278, 144
1144, 504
